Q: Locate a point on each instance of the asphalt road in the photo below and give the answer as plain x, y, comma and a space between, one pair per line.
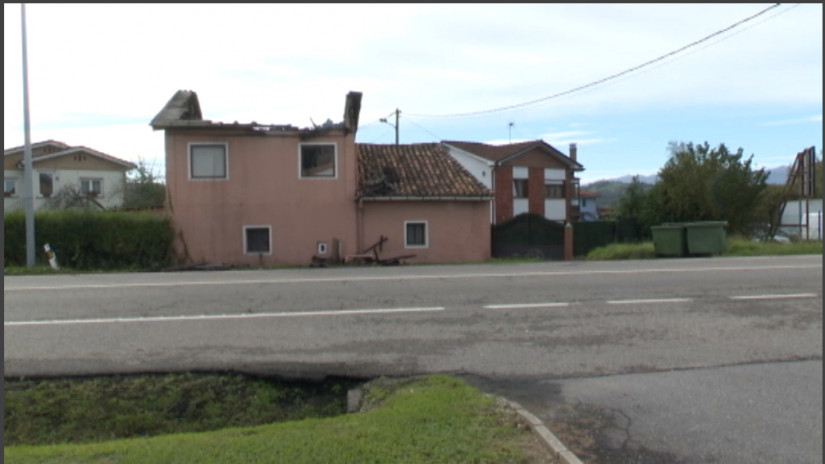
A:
692, 360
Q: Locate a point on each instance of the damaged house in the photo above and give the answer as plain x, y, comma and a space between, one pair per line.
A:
257, 194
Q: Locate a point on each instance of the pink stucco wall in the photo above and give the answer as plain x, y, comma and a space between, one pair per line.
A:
263, 188
458, 231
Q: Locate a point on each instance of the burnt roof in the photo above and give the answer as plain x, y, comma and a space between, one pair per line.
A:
423, 170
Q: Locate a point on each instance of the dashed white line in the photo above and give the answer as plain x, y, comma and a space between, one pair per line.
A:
774, 296
213, 317
650, 301
527, 305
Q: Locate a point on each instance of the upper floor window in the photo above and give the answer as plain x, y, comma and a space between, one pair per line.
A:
554, 189
318, 160
9, 187
91, 187
208, 161
520, 188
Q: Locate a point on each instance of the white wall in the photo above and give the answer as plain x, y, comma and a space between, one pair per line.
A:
112, 186
554, 209
480, 169
794, 213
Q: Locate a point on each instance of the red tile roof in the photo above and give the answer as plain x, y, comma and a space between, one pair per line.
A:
414, 170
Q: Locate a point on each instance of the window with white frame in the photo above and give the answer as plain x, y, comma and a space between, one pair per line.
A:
9, 187
554, 189
46, 182
92, 187
318, 160
519, 188
208, 161
257, 240
415, 234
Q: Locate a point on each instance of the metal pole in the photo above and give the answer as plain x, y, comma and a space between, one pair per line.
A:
28, 174
397, 111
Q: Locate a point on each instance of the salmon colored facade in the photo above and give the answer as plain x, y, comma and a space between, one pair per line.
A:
258, 195
263, 189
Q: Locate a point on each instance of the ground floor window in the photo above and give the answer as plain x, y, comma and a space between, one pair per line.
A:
9, 187
257, 240
91, 187
46, 184
415, 234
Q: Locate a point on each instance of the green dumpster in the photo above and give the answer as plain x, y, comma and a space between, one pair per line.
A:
706, 238
669, 240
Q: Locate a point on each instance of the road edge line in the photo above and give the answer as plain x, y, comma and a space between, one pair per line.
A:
556, 446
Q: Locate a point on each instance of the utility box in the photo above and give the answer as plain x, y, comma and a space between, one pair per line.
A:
706, 238
669, 240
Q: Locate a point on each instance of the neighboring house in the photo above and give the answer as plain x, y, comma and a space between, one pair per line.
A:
257, 194
588, 208
58, 166
525, 177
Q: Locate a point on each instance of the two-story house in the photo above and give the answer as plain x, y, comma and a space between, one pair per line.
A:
525, 177
260, 194
57, 167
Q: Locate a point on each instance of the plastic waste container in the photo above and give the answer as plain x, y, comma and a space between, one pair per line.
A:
706, 238
669, 240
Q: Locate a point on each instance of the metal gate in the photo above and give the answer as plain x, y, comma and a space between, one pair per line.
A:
528, 235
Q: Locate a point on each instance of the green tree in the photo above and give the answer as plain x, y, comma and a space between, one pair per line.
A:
700, 183
144, 188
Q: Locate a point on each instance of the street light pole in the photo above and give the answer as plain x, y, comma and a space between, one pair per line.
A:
397, 112
28, 175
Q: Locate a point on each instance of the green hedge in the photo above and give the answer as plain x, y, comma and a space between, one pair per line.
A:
89, 240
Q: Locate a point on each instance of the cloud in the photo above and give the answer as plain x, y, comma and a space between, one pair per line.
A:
794, 121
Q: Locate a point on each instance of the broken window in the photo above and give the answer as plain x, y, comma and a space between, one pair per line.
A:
207, 161
257, 240
415, 234
318, 160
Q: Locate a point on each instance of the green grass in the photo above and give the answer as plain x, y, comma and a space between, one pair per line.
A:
735, 247
433, 419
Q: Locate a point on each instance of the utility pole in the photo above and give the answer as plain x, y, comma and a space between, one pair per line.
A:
397, 113
28, 174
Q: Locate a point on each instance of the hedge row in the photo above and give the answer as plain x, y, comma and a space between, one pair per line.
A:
89, 240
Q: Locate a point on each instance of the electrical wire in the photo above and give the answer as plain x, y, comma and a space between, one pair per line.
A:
605, 79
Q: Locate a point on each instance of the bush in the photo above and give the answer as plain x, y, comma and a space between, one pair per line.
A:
87, 240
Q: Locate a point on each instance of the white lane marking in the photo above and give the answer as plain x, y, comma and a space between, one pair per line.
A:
527, 305
652, 300
395, 277
774, 297
213, 317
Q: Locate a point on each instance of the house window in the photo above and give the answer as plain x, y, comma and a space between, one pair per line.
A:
415, 234
322, 248
257, 240
520, 188
46, 184
554, 189
318, 160
9, 187
208, 161
91, 187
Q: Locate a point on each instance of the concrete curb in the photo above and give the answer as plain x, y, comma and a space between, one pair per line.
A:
556, 446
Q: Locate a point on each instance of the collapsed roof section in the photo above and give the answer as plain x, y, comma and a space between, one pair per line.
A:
183, 110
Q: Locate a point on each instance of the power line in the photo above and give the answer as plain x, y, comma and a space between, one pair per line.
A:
608, 78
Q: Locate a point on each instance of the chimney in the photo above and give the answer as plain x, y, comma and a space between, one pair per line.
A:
573, 152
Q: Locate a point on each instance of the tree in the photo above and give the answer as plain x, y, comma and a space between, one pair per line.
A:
700, 183
144, 188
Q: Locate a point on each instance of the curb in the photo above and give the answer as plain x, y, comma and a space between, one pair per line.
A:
556, 446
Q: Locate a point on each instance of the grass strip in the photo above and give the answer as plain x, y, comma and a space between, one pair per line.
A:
433, 419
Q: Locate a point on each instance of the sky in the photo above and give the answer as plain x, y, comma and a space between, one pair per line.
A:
621, 81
